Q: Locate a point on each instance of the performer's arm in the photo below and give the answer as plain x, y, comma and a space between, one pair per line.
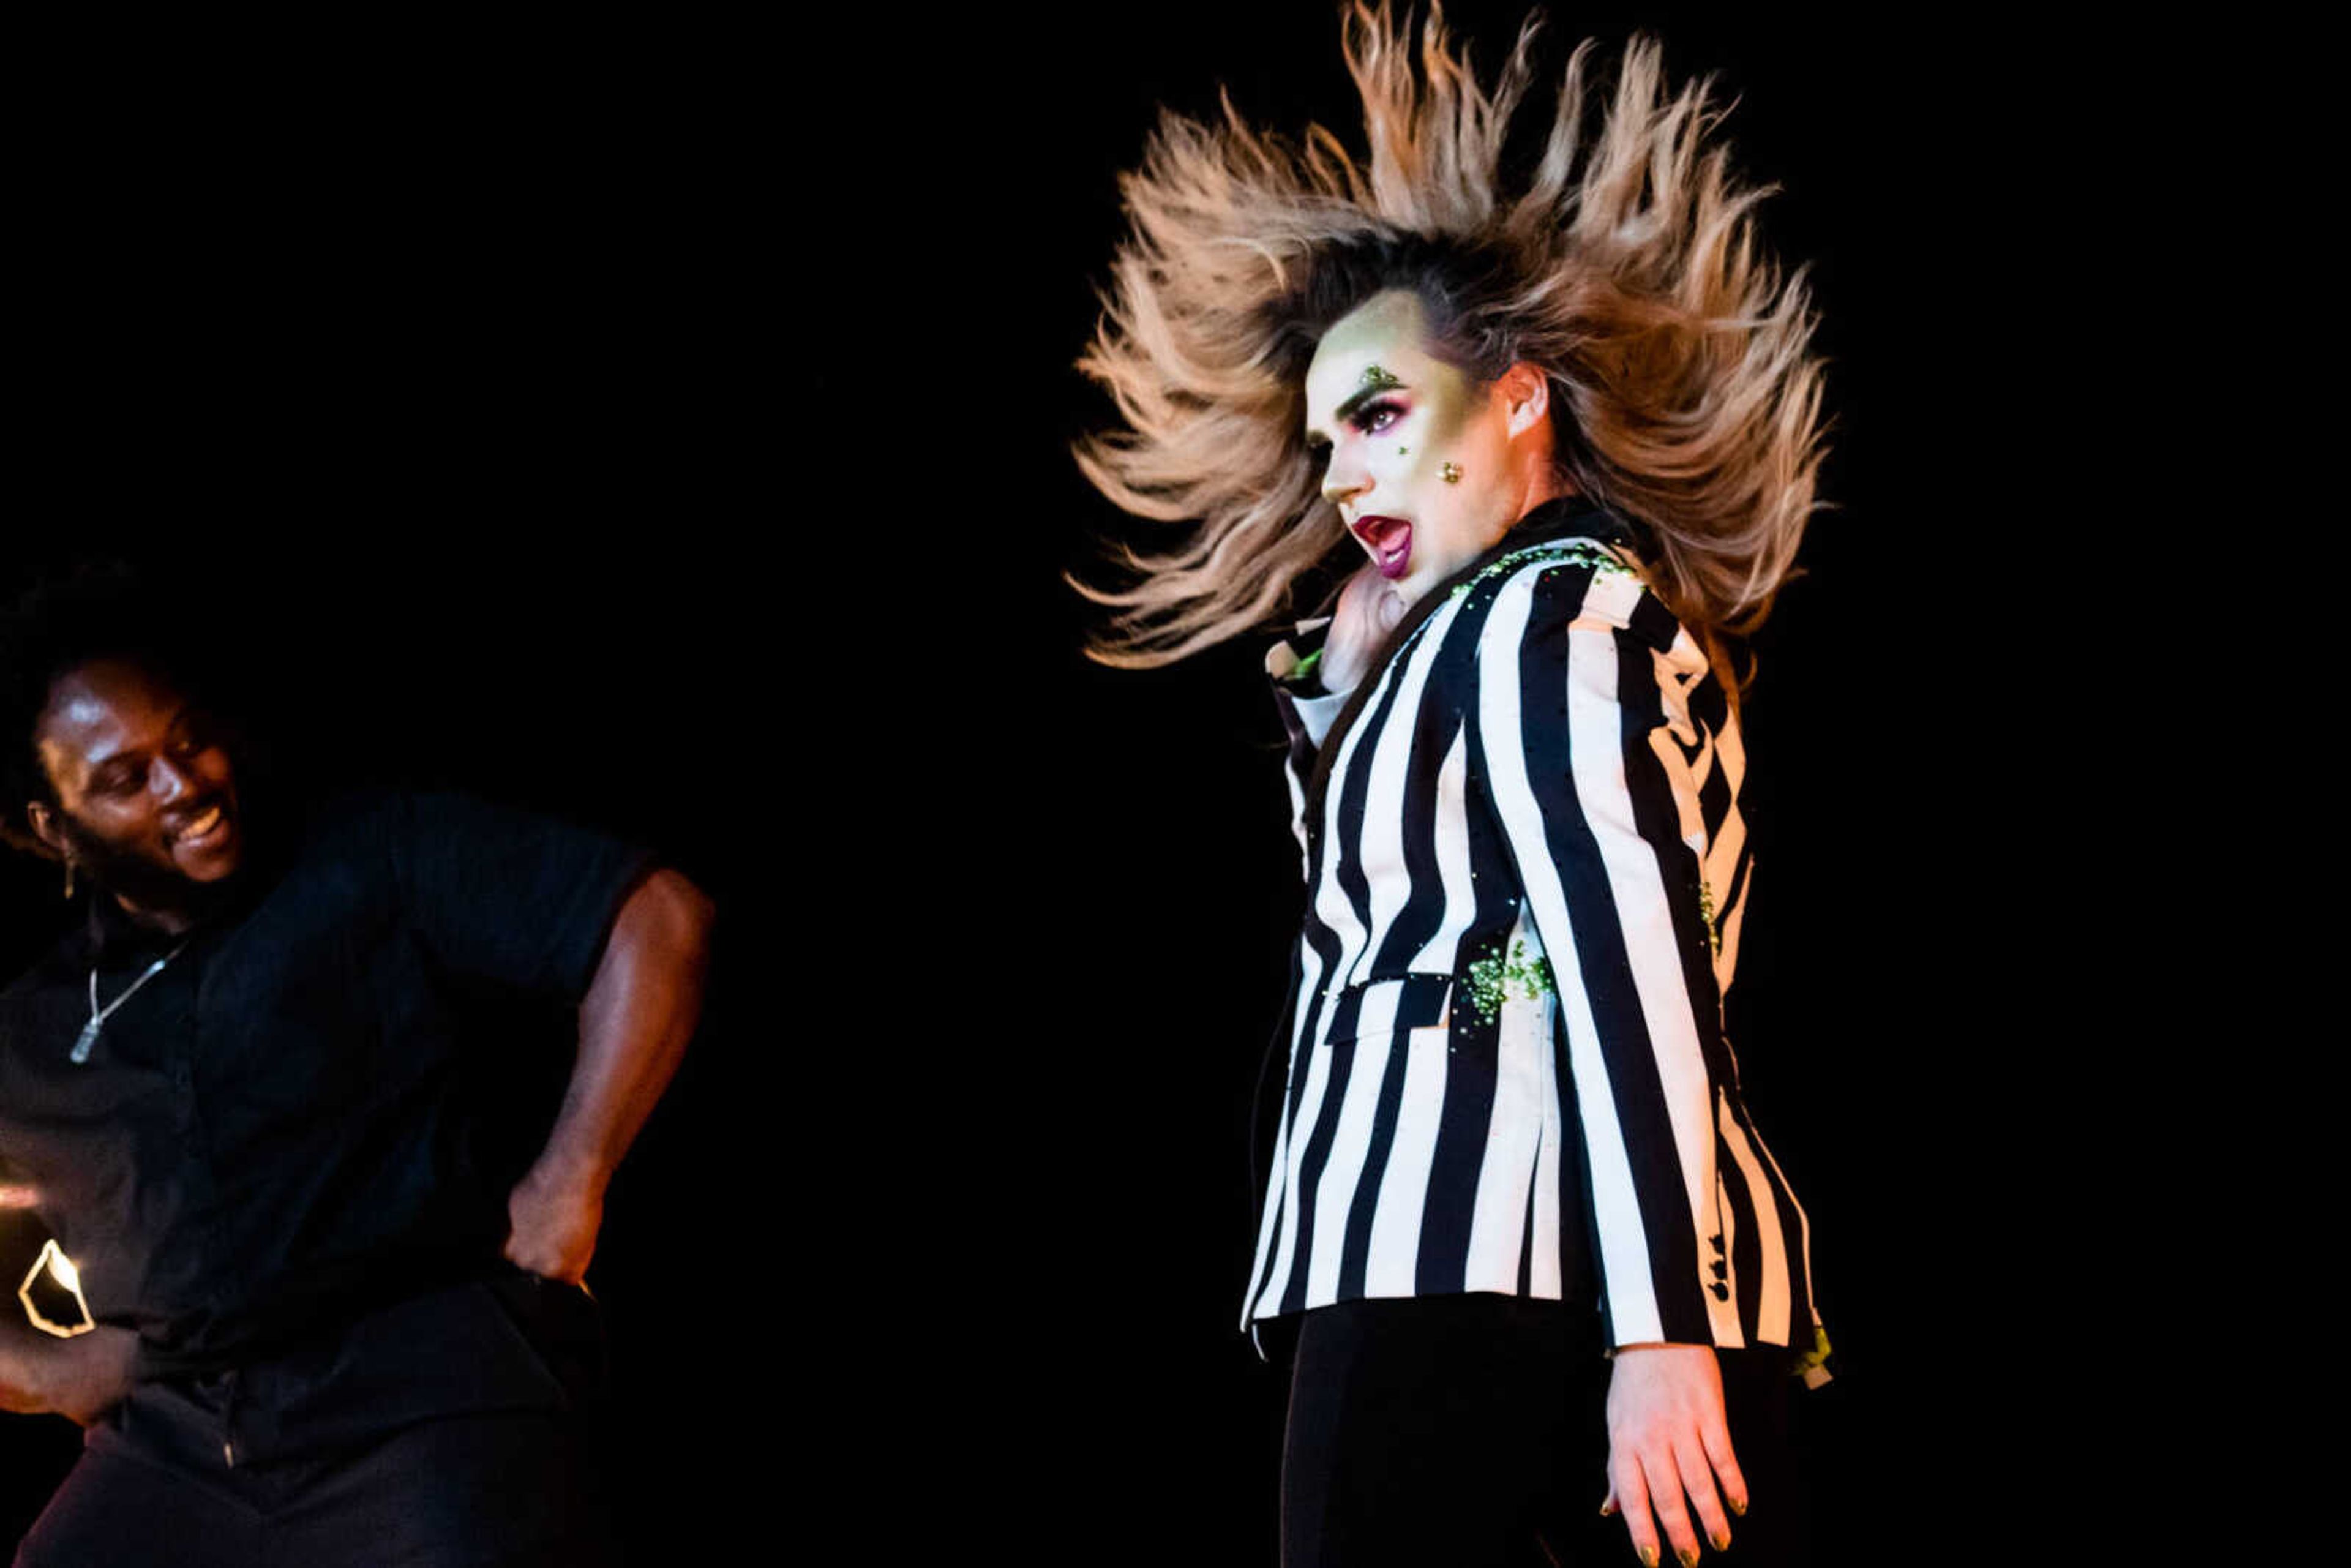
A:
635, 1022
1612, 875
79, 1378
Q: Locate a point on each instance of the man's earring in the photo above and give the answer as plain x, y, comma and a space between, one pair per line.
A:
68, 876
1452, 472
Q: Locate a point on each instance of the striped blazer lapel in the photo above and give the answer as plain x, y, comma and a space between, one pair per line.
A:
1567, 516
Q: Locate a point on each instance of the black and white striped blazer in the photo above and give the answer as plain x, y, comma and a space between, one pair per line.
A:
1526, 870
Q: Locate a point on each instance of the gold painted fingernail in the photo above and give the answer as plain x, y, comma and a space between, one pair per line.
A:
1606, 1509
1722, 1541
1648, 1557
1739, 1505
1689, 1556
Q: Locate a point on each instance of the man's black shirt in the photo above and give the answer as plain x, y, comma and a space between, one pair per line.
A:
318, 1107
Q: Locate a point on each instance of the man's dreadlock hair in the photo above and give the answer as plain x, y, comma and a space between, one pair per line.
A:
1685, 398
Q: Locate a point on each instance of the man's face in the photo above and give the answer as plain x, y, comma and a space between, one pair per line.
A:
148, 796
1395, 417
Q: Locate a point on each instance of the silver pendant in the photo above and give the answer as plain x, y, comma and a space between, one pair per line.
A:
87, 1037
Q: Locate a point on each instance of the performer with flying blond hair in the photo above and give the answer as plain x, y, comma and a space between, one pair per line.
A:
1573, 421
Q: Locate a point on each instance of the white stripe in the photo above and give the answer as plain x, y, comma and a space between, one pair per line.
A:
1394, 1264
1621, 1244
1799, 1334
1309, 972
1728, 1215
1690, 819
1298, 817
1498, 1219
1318, 1074
1379, 850
1727, 960
1332, 905
1723, 849
1732, 752
1636, 889
1273, 1205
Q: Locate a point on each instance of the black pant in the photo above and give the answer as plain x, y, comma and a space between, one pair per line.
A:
452, 1429
1470, 1432
456, 1491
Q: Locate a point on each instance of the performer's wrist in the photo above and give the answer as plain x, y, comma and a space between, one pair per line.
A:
563, 1167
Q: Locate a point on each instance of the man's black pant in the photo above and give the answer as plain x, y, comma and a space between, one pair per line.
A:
1470, 1431
451, 1430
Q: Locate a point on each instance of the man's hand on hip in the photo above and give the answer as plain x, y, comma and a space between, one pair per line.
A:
553, 1215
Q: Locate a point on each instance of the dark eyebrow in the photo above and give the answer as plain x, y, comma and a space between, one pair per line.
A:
1361, 396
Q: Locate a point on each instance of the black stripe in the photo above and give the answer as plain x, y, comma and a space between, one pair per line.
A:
1355, 1251
1463, 1124
1527, 1232
1745, 1259
1714, 799
1576, 1207
1309, 1169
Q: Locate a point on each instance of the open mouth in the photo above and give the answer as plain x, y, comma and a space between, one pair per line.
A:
1390, 539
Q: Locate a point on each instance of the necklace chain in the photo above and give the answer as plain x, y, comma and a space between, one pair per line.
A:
98, 1015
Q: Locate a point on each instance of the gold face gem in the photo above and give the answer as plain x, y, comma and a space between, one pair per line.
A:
1452, 472
1379, 376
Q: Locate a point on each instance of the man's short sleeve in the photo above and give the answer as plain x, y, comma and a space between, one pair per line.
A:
511, 896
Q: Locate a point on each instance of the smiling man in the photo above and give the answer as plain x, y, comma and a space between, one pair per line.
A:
273, 1095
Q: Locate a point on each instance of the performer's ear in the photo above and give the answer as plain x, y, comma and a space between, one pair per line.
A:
1525, 392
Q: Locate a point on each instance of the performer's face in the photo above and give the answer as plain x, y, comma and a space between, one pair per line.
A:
146, 796
1395, 417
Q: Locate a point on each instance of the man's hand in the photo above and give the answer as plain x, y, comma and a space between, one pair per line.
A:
79, 1378
1668, 1436
1367, 611
634, 1021
553, 1215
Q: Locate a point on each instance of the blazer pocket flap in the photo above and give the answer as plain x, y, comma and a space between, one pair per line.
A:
1390, 1004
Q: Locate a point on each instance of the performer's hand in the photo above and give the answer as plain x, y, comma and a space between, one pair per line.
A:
1367, 611
1668, 1436
553, 1215
79, 1378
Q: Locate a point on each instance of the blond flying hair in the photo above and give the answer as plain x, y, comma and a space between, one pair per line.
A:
1686, 397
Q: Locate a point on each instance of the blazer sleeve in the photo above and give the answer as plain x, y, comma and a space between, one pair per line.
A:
1585, 746
1308, 707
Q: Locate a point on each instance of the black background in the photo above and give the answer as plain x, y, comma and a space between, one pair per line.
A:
667, 426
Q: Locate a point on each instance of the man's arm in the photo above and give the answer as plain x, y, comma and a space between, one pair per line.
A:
79, 1378
639, 1012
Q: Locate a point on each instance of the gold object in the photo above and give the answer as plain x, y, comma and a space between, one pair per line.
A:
69, 876
1452, 472
58, 1267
